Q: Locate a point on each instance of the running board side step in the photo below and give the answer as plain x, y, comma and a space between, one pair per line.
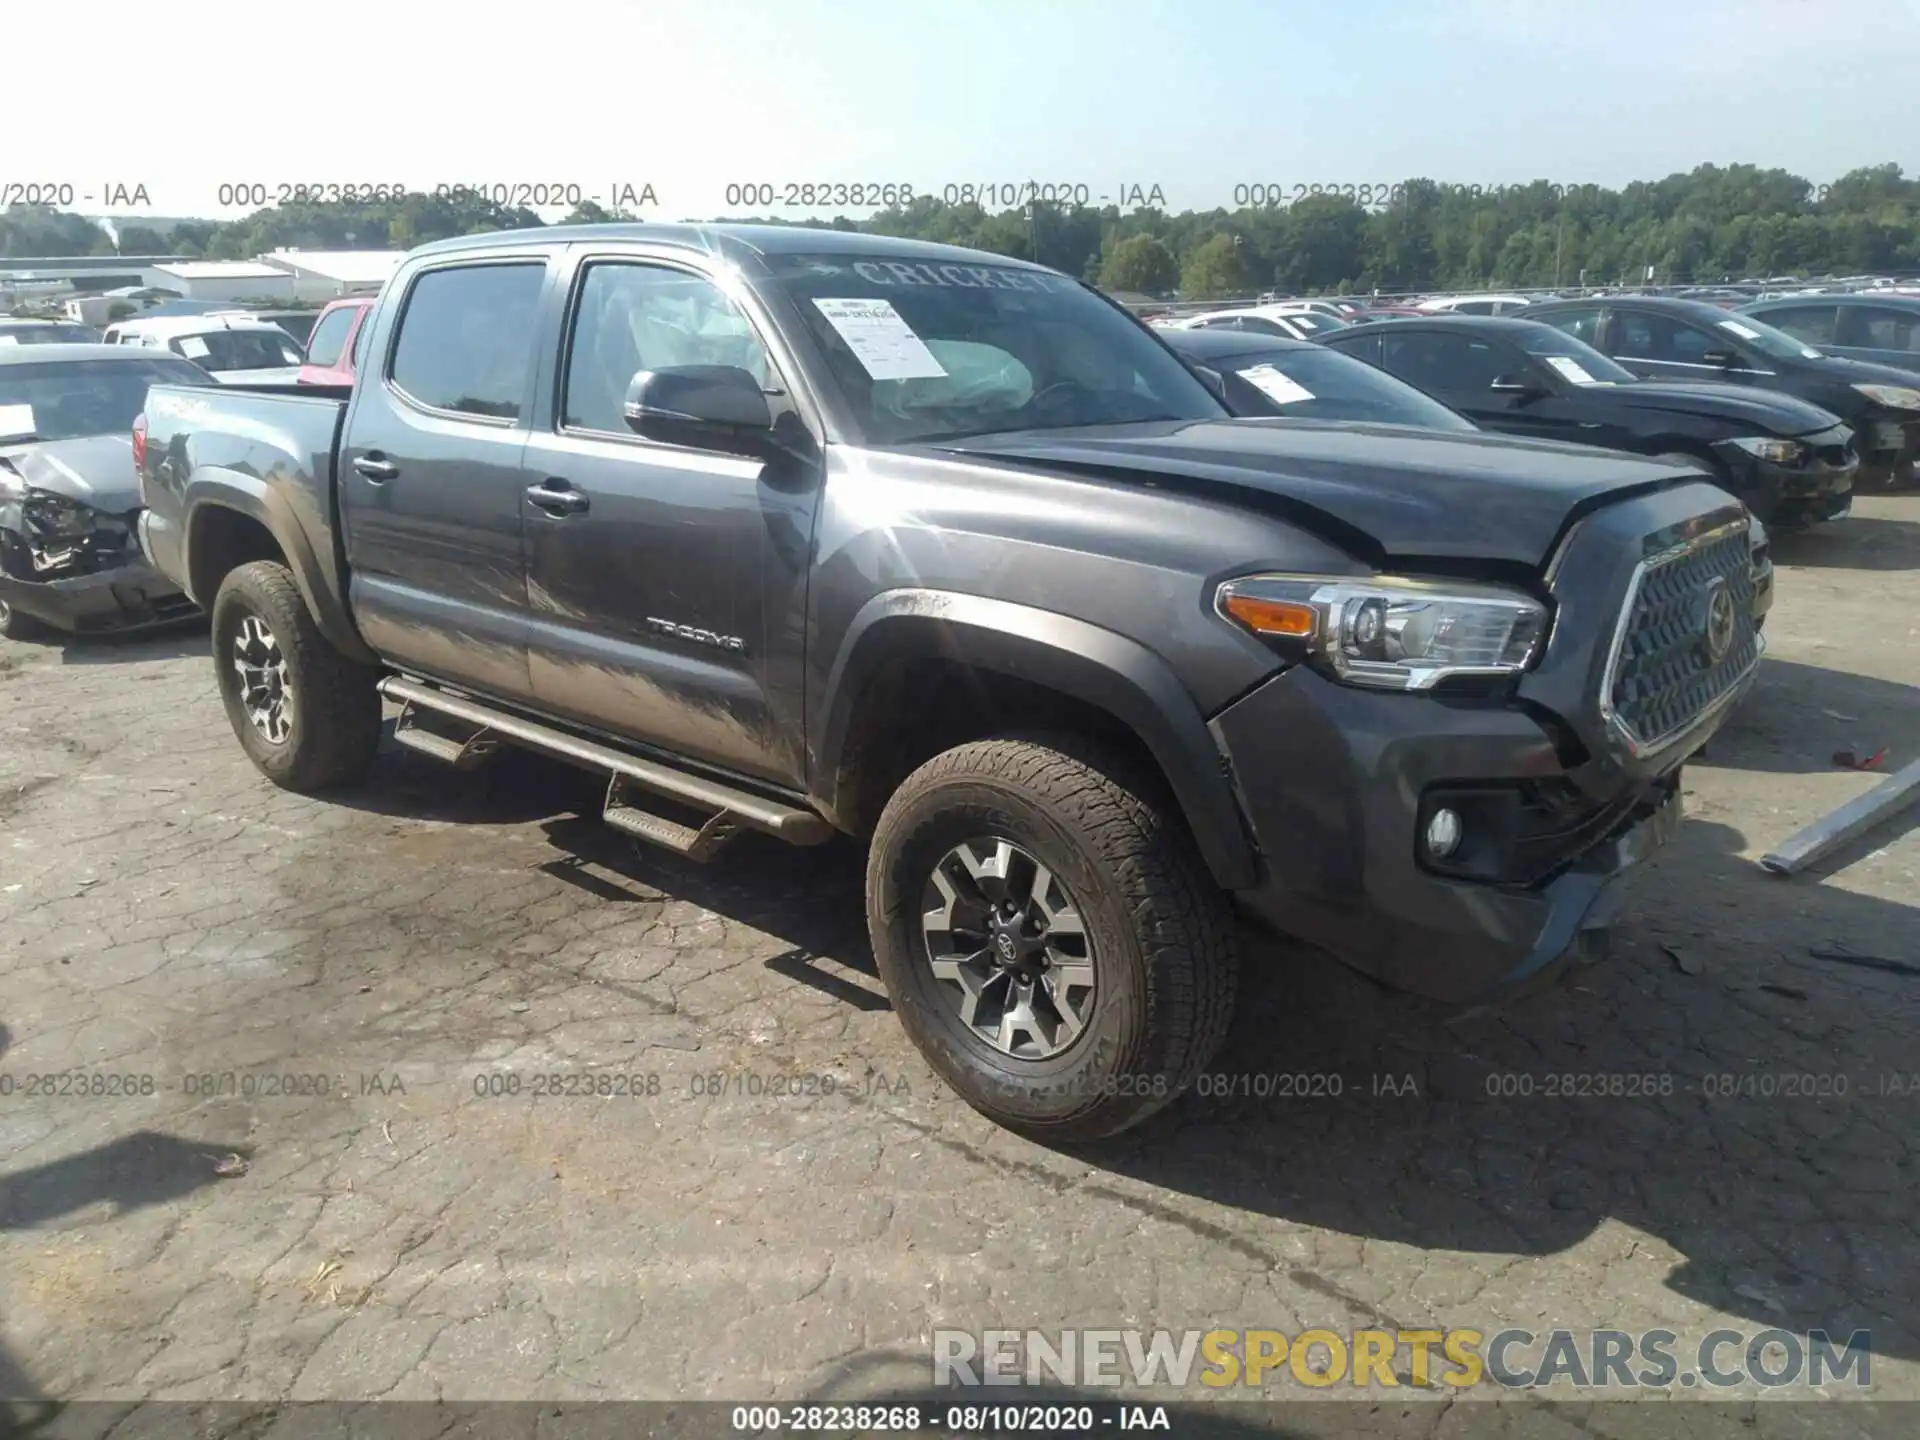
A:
463, 754
729, 809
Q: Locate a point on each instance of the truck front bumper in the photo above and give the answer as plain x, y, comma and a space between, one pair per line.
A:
1339, 784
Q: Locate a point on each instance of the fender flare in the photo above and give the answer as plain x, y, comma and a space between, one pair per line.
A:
213, 488
1095, 666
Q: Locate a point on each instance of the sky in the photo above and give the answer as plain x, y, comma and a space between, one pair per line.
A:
1194, 96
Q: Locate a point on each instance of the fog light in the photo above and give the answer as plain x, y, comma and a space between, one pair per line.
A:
1443, 833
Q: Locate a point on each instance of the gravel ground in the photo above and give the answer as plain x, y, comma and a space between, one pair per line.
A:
299, 1181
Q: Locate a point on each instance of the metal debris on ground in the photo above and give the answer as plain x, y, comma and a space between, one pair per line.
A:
1840, 826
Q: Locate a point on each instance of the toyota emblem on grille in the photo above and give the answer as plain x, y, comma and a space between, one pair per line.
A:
1716, 631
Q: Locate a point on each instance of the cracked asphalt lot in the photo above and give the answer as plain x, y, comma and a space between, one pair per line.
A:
439, 1090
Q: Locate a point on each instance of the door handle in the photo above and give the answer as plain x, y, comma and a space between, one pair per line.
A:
376, 469
557, 497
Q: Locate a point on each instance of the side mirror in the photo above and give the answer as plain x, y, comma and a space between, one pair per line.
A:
1725, 359
1211, 379
704, 407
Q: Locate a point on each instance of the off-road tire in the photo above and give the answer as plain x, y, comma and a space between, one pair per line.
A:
1162, 932
335, 711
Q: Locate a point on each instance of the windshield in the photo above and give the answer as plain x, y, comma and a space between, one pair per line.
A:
1574, 359
49, 335
86, 397
934, 351
219, 350
1771, 342
1317, 384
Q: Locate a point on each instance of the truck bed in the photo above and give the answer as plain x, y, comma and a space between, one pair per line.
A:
270, 451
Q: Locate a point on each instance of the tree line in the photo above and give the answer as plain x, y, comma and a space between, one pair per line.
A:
1709, 224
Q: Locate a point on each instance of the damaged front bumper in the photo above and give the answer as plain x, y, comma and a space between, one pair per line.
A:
84, 576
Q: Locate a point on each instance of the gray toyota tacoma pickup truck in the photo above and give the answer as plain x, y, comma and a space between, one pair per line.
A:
810, 533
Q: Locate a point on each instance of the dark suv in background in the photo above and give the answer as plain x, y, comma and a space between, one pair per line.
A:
1665, 339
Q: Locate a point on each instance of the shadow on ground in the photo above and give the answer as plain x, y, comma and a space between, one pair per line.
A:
1796, 717
131, 1173
187, 637
1859, 542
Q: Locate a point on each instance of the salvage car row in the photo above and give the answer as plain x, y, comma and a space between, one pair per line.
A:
68, 492
1786, 426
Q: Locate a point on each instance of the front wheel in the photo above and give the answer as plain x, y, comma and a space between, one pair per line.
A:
1050, 938
307, 716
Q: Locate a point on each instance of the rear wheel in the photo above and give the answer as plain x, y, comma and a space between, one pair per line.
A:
1049, 936
307, 716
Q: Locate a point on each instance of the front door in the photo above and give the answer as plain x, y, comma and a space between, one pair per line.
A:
668, 584
430, 476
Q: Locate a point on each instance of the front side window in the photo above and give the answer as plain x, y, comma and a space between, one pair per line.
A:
1643, 336
930, 351
329, 337
1571, 359
466, 338
631, 318
1438, 362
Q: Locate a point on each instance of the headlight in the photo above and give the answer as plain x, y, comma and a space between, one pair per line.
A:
1387, 632
1894, 397
1765, 447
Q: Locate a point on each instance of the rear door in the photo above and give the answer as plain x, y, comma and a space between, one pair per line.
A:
430, 473
668, 584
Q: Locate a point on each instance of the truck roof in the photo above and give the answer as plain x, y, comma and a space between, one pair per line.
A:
737, 242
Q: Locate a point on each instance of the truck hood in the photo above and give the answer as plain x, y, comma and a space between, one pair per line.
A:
94, 470
1771, 412
1401, 491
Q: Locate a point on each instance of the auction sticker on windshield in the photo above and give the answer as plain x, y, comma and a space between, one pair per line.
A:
880, 340
193, 347
1276, 385
1572, 369
9, 339
16, 421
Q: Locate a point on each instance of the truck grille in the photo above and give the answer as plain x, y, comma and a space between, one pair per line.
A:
1671, 662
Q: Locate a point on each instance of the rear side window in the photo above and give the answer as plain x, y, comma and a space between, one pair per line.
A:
1811, 323
329, 337
466, 338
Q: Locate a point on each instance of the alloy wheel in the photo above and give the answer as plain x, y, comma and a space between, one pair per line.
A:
1007, 942
265, 691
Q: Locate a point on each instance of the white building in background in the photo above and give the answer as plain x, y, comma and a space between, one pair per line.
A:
224, 280
329, 274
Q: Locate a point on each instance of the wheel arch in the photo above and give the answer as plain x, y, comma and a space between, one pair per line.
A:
1091, 676
239, 518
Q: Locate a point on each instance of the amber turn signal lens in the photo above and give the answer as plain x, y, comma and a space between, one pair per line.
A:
1271, 617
